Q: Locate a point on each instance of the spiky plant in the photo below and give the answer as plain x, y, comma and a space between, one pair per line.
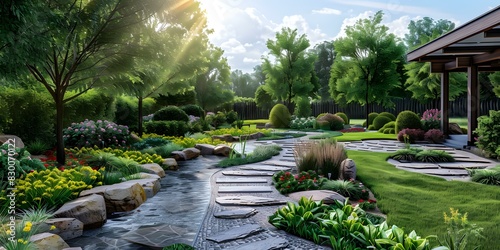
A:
434, 156
487, 176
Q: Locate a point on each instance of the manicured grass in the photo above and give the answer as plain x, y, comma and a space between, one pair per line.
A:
257, 121
281, 136
358, 136
325, 135
462, 121
417, 202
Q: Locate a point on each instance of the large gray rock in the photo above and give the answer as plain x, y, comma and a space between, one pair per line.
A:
235, 233
454, 129
348, 169
222, 150
191, 153
11, 139
90, 210
48, 241
67, 228
154, 168
120, 197
205, 149
178, 155
170, 164
149, 182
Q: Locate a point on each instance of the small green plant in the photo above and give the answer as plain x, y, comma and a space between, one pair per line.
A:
149, 143
17, 160
260, 153
37, 147
354, 191
324, 157
407, 154
488, 132
170, 113
460, 232
179, 246
486, 176
302, 106
434, 156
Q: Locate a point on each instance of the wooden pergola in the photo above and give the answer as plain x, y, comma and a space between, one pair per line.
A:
472, 48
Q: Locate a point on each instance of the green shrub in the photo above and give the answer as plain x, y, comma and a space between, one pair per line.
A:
302, 107
92, 105
194, 110
389, 131
280, 116
389, 115
37, 147
101, 133
302, 123
343, 116
486, 176
127, 110
150, 143
231, 116
169, 128
180, 99
17, 160
407, 119
388, 128
434, 156
347, 189
171, 113
380, 121
407, 154
335, 122
164, 151
260, 153
179, 246
371, 127
371, 117
488, 132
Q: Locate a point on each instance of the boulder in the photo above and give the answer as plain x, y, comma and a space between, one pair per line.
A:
120, 197
179, 155
454, 129
154, 168
327, 196
191, 153
222, 149
90, 210
170, 164
48, 241
205, 149
151, 185
348, 169
67, 228
11, 139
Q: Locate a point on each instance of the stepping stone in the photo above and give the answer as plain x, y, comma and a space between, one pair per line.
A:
156, 236
248, 201
288, 156
460, 165
327, 196
236, 233
247, 173
245, 189
265, 168
268, 244
236, 213
419, 166
279, 163
441, 172
474, 161
240, 180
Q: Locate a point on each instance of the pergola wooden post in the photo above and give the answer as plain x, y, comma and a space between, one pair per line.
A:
472, 102
445, 102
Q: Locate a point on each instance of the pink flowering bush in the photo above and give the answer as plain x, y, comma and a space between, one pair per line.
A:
434, 136
431, 119
411, 135
100, 133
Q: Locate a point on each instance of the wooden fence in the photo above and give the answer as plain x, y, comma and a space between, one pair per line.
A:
457, 108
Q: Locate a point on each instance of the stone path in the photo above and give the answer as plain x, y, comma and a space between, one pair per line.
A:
449, 171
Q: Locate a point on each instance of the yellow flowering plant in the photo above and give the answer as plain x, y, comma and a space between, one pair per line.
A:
141, 158
15, 232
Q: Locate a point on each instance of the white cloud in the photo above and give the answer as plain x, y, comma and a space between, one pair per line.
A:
391, 6
315, 35
233, 46
251, 60
351, 21
327, 11
248, 45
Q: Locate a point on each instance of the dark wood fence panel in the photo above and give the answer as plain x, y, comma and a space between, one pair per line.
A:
457, 108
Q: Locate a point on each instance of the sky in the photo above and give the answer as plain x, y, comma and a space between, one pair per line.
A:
242, 27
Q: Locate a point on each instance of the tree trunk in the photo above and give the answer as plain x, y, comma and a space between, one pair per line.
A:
367, 110
139, 111
60, 154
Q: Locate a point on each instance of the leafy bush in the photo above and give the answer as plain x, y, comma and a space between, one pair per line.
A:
93, 105
149, 143
434, 136
388, 127
127, 111
488, 132
194, 110
37, 147
168, 128
164, 151
323, 157
371, 117
431, 119
280, 116
231, 116
216, 120
389, 115
17, 161
285, 182
170, 113
302, 107
407, 154
380, 121
407, 119
434, 156
137, 156
260, 153
343, 116
101, 133
335, 122
486, 176
347, 188
412, 135
302, 123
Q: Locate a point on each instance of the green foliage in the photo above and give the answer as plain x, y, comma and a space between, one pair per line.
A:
490, 176
239, 131
323, 157
168, 128
92, 105
371, 117
179, 246
137, 156
380, 121
170, 113
325, 53
280, 116
164, 151
495, 81
388, 128
177, 99
335, 122
343, 116
302, 107
100, 133
488, 132
149, 143
387, 114
127, 113
328, 135
17, 161
216, 120
285, 182
460, 231
302, 123
434, 156
407, 119
194, 110
347, 188
263, 99
407, 154
37, 147
231, 116
260, 153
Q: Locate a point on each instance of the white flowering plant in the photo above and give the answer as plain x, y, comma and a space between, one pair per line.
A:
96, 133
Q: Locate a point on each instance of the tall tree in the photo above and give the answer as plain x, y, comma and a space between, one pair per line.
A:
423, 84
325, 56
291, 71
365, 68
244, 85
495, 82
213, 86
85, 42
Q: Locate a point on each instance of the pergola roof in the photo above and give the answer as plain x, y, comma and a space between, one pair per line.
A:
474, 43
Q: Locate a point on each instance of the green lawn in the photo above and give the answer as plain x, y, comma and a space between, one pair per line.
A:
358, 136
257, 121
462, 121
417, 202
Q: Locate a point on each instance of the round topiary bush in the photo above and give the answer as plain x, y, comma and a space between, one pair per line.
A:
407, 119
194, 110
336, 123
343, 116
380, 121
387, 114
280, 116
390, 126
171, 113
371, 117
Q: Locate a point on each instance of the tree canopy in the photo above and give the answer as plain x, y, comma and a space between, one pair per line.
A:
365, 67
325, 54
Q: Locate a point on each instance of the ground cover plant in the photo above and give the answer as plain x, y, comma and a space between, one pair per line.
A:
141, 158
412, 154
490, 176
417, 201
260, 153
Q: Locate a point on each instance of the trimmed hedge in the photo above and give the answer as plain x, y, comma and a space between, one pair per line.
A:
389, 115
168, 128
408, 119
171, 113
280, 116
343, 116
380, 121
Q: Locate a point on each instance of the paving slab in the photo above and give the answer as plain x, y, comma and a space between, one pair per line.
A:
156, 236
265, 168
245, 189
461, 165
235, 233
236, 213
267, 244
248, 201
240, 180
440, 172
247, 173
279, 163
418, 166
